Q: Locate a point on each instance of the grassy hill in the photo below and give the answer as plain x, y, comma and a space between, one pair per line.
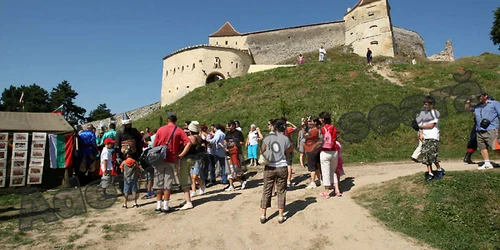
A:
341, 85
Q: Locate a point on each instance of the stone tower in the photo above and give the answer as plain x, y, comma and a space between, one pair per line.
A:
368, 25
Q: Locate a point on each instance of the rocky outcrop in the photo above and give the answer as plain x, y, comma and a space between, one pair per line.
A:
444, 56
408, 43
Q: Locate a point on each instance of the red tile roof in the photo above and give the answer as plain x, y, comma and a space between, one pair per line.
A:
226, 30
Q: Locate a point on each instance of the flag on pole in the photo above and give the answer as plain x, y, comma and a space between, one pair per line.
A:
59, 110
61, 150
21, 100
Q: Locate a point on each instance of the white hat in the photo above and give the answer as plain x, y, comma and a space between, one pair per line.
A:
126, 120
194, 126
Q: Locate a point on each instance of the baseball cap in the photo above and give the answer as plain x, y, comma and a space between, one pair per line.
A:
108, 141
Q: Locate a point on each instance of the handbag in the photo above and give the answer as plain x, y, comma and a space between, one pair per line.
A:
158, 154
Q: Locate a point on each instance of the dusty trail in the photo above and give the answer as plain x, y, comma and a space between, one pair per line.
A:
230, 220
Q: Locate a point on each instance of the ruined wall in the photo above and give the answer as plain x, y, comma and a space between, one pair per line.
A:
273, 46
409, 43
190, 68
133, 114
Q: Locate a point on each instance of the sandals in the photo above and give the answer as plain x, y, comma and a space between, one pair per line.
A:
324, 195
124, 206
339, 194
136, 205
263, 219
281, 219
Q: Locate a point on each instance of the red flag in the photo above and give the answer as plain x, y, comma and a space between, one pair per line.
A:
21, 100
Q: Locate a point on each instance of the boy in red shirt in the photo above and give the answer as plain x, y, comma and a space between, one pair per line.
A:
236, 173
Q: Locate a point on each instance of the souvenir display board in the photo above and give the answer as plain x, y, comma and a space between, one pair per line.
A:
19, 159
37, 157
4, 145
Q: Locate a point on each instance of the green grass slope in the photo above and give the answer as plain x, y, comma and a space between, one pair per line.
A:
460, 211
341, 85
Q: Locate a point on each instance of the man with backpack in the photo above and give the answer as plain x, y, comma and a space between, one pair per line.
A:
178, 145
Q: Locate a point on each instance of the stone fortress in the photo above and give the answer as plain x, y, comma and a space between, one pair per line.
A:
231, 54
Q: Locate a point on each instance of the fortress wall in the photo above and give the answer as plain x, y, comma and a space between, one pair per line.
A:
271, 47
189, 69
133, 114
408, 42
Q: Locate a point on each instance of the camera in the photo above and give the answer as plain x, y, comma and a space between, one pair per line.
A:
485, 123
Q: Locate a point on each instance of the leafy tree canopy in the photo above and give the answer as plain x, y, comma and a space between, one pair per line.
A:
36, 99
495, 29
63, 94
101, 112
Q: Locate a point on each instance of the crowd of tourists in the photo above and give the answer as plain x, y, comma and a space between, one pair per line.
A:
199, 156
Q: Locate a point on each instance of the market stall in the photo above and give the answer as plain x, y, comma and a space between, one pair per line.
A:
35, 149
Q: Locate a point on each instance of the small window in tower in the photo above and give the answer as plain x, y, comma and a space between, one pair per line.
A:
187, 87
373, 26
193, 66
236, 43
374, 43
182, 70
166, 72
352, 17
169, 91
352, 33
177, 88
226, 42
174, 71
371, 14
216, 43
236, 65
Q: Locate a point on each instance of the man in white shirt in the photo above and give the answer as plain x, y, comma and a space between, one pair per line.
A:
322, 53
429, 135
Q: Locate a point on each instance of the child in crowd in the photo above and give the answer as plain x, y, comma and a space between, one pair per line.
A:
106, 164
236, 172
131, 173
148, 169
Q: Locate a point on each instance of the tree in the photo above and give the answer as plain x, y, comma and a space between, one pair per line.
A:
36, 99
101, 112
495, 30
64, 95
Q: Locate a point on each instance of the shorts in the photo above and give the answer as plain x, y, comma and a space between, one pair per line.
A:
252, 151
301, 148
235, 172
130, 186
183, 174
150, 173
312, 161
195, 169
486, 139
105, 181
164, 177
430, 149
289, 160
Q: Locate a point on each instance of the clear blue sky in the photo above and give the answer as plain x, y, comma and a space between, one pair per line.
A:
111, 51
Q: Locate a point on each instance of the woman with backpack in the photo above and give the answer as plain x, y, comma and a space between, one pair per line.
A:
329, 157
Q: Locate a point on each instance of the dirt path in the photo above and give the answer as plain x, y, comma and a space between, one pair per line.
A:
385, 71
230, 220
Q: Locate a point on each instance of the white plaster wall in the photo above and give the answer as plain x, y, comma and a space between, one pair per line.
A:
259, 67
187, 70
232, 41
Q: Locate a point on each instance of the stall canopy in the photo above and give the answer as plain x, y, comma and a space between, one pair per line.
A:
25, 121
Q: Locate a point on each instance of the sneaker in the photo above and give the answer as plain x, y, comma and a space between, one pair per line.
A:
193, 193
489, 166
202, 190
311, 185
186, 206
229, 189
243, 185
158, 210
